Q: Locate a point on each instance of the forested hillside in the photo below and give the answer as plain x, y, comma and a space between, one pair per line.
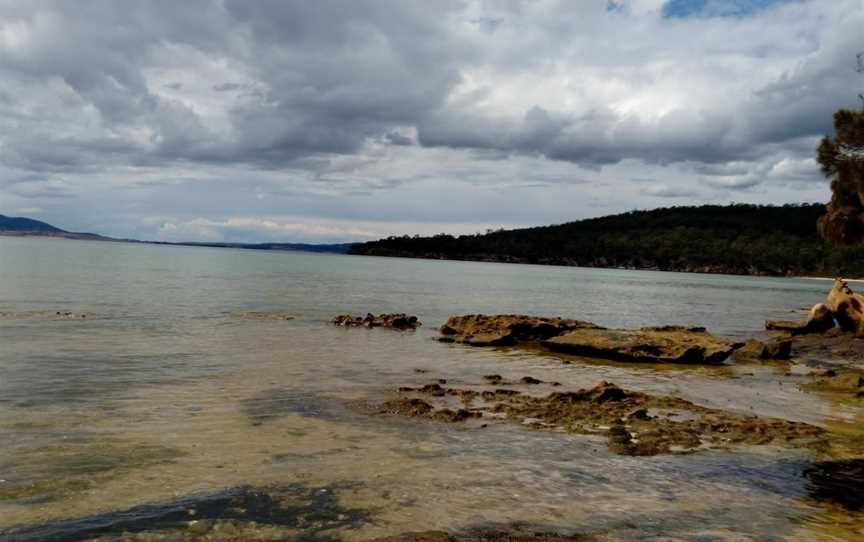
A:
738, 239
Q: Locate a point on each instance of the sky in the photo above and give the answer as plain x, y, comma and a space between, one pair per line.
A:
332, 121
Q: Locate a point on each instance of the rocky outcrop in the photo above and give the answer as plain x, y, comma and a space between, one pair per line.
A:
777, 349
819, 320
633, 422
843, 308
846, 307
393, 321
672, 344
506, 329
668, 344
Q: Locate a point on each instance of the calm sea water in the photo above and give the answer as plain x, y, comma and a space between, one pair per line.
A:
162, 392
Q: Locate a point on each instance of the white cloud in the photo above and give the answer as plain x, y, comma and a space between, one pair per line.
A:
392, 113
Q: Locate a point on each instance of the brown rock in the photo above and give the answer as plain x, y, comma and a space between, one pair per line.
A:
668, 344
634, 423
505, 329
847, 307
840, 382
779, 349
393, 321
819, 320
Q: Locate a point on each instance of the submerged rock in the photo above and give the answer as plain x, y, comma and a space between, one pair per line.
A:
393, 321
505, 329
263, 316
418, 408
634, 423
668, 344
510, 534
850, 382
239, 513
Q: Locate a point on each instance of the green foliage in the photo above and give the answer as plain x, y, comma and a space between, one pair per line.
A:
738, 239
841, 157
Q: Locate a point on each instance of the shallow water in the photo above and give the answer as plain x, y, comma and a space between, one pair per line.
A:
164, 395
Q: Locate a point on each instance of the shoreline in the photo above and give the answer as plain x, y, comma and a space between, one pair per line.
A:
312, 248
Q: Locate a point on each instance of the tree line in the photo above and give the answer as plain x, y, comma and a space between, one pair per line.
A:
737, 239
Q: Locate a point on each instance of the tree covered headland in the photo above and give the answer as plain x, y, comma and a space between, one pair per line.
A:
736, 239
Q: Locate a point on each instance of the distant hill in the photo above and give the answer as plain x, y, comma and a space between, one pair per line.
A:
11, 226
27, 227
736, 239
336, 248
13, 223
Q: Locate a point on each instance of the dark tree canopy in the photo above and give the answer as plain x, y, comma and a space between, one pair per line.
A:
842, 159
740, 239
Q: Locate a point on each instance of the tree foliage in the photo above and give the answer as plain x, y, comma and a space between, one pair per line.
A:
738, 239
841, 157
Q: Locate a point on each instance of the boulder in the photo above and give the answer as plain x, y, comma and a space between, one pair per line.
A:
847, 307
819, 320
394, 321
506, 329
778, 349
667, 344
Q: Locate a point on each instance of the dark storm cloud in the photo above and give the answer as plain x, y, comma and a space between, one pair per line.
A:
336, 98
330, 75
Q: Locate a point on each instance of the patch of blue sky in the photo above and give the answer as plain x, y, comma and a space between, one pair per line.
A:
682, 9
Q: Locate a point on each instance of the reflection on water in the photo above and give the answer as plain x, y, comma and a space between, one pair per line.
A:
162, 401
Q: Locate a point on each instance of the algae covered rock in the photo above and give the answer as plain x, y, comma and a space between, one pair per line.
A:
667, 344
506, 329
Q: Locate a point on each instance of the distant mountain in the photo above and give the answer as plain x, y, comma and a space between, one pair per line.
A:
20, 224
735, 239
27, 227
11, 226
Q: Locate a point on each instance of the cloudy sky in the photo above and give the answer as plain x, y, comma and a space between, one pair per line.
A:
260, 120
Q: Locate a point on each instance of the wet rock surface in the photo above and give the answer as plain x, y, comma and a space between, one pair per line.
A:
819, 320
774, 349
663, 344
846, 307
400, 321
843, 308
241, 513
834, 350
667, 344
845, 382
634, 423
505, 329
839, 482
